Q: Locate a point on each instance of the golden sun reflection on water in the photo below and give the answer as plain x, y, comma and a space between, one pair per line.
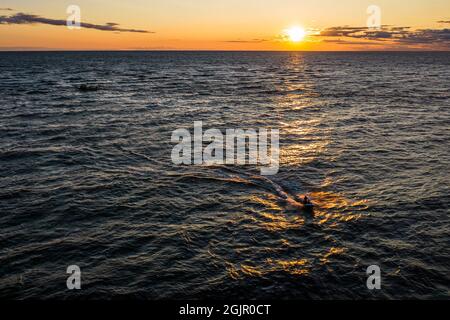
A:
298, 267
294, 267
272, 217
332, 252
333, 207
271, 214
307, 142
304, 140
301, 154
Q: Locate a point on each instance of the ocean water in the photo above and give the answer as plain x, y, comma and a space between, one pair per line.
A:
87, 179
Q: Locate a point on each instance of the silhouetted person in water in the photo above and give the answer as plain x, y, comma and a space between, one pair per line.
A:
306, 200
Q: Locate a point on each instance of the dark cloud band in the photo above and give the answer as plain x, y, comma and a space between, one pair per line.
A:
23, 18
398, 35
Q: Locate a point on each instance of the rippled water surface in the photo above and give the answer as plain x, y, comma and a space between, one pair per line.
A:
87, 177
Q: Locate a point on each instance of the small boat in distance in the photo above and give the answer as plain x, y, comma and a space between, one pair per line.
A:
88, 88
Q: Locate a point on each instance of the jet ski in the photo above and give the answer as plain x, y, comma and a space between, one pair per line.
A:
307, 204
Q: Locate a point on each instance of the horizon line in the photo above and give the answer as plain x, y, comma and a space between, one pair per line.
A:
204, 50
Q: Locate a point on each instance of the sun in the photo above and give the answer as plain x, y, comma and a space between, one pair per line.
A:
295, 34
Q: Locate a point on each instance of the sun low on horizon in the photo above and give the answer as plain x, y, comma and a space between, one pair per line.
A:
295, 34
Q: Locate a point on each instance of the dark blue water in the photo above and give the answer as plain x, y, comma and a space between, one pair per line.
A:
87, 179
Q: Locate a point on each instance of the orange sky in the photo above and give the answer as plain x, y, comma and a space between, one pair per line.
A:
226, 25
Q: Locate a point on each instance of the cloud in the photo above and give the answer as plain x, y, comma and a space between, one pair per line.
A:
444, 21
26, 49
397, 35
247, 41
6, 9
23, 18
385, 32
341, 31
428, 36
340, 41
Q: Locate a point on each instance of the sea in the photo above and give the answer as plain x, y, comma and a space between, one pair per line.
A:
87, 177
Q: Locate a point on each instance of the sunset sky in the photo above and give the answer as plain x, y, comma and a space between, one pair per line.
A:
225, 25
